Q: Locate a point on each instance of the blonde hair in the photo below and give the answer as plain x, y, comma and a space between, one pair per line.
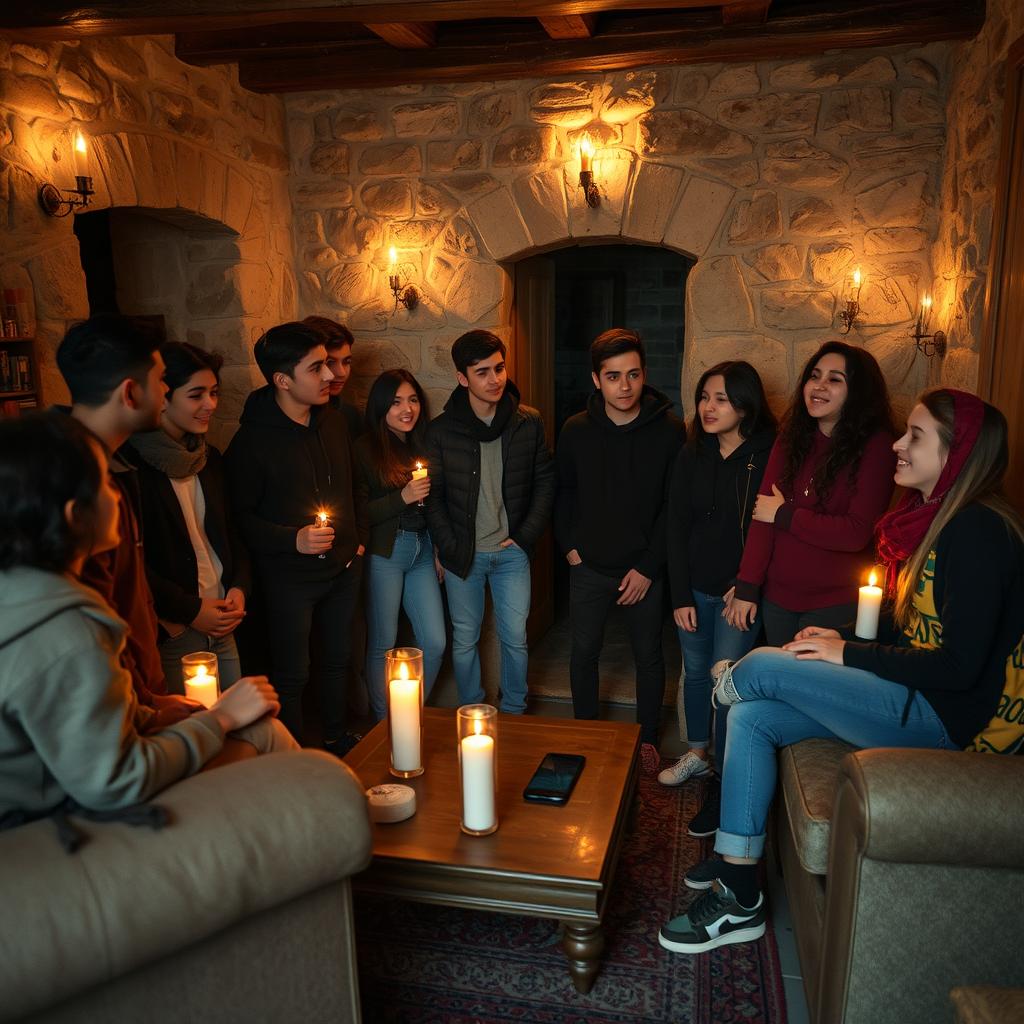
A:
979, 481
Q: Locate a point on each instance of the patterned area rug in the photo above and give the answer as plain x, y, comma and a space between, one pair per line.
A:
420, 964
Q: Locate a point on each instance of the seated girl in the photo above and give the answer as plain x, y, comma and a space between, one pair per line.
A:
954, 552
196, 565
70, 726
402, 570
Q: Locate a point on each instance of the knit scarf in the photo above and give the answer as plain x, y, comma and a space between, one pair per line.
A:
900, 531
176, 459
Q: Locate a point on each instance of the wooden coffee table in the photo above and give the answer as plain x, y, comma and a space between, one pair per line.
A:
543, 861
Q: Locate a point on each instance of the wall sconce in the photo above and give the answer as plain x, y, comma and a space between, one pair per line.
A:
590, 190
407, 296
933, 344
852, 311
50, 198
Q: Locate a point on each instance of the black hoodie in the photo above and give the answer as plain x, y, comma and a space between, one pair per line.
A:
280, 474
613, 486
710, 505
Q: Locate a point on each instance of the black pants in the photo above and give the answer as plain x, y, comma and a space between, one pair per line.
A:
781, 625
591, 598
321, 611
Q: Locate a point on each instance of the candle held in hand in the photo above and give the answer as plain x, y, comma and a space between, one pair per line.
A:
869, 604
322, 519
202, 687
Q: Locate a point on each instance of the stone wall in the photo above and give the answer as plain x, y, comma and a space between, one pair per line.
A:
963, 250
779, 178
183, 144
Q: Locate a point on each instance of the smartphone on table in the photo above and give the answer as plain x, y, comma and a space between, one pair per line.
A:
553, 781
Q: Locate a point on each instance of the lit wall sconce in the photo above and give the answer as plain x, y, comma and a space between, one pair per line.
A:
407, 296
852, 311
50, 198
590, 190
930, 344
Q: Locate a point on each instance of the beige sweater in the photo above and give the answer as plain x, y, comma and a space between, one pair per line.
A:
69, 721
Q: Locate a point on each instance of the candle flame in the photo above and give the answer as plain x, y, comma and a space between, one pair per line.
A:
392, 256
322, 517
478, 726
926, 302
856, 278
80, 145
586, 145
873, 579
403, 671
201, 674
419, 465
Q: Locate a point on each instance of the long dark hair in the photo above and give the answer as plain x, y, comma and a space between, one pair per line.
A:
46, 460
393, 459
746, 395
865, 412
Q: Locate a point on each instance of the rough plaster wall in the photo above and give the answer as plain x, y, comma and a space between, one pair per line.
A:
164, 137
962, 252
780, 177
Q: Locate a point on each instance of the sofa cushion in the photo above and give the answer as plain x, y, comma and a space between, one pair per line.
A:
809, 773
242, 838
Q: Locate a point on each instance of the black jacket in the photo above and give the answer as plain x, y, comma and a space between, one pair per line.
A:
171, 566
710, 504
453, 461
384, 502
280, 474
613, 486
978, 587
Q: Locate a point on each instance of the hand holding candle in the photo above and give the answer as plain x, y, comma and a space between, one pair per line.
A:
199, 672
869, 604
318, 538
418, 486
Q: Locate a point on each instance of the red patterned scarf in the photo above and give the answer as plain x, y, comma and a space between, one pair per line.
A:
899, 532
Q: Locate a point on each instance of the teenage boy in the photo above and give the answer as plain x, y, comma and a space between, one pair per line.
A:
338, 341
492, 485
290, 460
114, 372
614, 463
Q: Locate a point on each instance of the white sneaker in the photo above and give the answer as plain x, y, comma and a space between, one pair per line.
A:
724, 693
689, 766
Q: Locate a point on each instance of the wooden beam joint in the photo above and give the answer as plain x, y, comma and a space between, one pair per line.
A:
573, 26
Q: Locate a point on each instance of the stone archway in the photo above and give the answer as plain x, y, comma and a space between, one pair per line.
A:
239, 282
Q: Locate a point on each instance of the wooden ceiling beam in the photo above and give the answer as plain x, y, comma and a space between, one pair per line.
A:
66, 19
578, 26
698, 38
745, 12
406, 35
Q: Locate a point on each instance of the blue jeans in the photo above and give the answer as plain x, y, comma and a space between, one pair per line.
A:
714, 640
784, 701
508, 572
190, 642
407, 579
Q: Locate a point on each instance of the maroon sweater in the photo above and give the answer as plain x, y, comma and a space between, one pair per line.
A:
814, 557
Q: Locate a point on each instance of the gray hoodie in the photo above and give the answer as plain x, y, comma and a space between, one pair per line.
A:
69, 720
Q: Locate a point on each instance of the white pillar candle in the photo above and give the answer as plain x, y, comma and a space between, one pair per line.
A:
478, 782
869, 604
419, 472
202, 687
405, 722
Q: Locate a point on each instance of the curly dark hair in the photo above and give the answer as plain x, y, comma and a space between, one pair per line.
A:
46, 460
394, 460
865, 412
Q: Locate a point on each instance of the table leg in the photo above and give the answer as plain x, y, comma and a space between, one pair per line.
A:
583, 945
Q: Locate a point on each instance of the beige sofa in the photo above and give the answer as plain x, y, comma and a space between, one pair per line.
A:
239, 910
904, 871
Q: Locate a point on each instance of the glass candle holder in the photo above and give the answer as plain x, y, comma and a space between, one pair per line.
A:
478, 767
403, 675
199, 672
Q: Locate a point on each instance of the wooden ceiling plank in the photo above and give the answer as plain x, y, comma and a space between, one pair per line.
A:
745, 12
406, 35
67, 19
810, 33
579, 26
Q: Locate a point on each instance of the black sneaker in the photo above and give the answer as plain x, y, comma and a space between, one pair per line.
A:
704, 874
705, 821
340, 747
714, 919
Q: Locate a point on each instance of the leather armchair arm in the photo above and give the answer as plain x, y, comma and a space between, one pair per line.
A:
934, 806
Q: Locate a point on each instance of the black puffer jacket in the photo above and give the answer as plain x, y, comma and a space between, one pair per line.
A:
453, 458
